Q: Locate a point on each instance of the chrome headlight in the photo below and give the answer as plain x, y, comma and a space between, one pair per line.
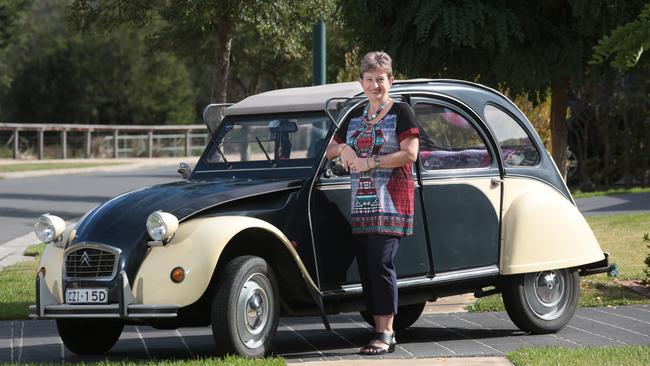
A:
161, 226
49, 227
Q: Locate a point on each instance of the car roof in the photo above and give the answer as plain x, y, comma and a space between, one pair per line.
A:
310, 98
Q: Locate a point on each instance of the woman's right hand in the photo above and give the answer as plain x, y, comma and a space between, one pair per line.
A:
347, 155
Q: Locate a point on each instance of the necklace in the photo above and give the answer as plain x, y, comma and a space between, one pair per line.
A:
374, 115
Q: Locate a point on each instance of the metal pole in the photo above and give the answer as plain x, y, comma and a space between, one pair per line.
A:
40, 144
64, 144
319, 75
16, 144
89, 141
188, 143
150, 143
115, 144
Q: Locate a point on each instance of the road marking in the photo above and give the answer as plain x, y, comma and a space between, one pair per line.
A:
304, 339
622, 316
184, 343
463, 335
613, 326
596, 334
11, 344
566, 340
20, 343
639, 309
144, 344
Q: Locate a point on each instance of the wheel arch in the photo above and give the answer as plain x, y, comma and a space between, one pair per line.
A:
543, 230
202, 246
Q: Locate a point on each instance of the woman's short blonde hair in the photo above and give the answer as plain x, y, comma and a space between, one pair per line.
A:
376, 60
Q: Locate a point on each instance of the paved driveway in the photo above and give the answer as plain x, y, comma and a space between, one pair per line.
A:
305, 339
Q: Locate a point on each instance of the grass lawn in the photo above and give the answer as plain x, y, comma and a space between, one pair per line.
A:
609, 192
11, 168
590, 356
18, 290
622, 237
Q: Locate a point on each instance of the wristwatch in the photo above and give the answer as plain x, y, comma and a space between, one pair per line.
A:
377, 162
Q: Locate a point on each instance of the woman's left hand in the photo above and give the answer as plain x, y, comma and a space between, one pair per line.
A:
358, 165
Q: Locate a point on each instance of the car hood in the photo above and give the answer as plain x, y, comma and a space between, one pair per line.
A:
121, 221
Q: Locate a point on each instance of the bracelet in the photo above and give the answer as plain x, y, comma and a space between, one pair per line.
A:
341, 148
377, 165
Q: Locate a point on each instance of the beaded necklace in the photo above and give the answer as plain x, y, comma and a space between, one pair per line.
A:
374, 115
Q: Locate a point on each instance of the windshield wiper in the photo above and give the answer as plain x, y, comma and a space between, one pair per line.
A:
223, 156
273, 163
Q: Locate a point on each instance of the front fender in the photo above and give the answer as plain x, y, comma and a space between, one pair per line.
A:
542, 230
52, 262
196, 247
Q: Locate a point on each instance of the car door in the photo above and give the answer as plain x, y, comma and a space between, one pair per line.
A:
334, 249
461, 188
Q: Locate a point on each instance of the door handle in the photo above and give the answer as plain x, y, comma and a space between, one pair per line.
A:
496, 181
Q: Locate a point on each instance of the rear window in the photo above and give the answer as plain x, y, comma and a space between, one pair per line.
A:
517, 148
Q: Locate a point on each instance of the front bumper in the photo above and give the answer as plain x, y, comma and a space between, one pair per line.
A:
47, 307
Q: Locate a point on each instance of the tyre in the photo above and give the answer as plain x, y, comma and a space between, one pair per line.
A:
89, 336
245, 308
405, 317
541, 302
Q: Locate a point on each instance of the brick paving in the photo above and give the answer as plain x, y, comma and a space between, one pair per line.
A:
305, 339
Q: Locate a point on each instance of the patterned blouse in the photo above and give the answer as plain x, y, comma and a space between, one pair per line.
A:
382, 199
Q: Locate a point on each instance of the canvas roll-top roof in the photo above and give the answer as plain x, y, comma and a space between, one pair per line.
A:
310, 98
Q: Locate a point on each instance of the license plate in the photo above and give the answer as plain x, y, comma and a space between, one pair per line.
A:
86, 296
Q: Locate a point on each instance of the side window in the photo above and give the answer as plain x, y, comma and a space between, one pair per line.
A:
516, 147
448, 140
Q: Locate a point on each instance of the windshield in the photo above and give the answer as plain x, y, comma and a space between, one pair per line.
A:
278, 140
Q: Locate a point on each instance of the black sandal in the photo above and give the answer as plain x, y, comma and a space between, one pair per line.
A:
373, 350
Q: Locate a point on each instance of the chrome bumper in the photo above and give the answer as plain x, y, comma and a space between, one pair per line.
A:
47, 307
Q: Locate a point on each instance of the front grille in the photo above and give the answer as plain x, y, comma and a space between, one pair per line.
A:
91, 262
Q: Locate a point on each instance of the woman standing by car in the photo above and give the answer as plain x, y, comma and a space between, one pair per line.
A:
378, 145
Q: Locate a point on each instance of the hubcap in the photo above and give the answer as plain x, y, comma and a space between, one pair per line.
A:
253, 310
547, 293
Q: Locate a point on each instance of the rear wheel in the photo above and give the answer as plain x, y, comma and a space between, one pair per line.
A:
89, 336
542, 302
246, 308
405, 317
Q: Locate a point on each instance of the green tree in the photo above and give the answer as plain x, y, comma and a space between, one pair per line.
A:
11, 16
60, 76
526, 47
626, 43
204, 30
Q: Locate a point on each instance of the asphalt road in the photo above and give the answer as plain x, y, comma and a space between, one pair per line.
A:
305, 339
23, 200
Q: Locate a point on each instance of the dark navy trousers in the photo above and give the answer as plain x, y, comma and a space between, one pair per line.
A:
375, 257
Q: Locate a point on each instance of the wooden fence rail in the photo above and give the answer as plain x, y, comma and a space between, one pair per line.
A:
150, 131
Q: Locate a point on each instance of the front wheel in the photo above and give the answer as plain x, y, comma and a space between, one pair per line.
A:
542, 302
246, 308
89, 337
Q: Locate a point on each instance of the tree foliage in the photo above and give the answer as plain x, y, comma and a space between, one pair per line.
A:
626, 43
204, 30
526, 47
58, 76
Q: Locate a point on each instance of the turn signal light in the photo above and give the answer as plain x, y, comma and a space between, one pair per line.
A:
177, 275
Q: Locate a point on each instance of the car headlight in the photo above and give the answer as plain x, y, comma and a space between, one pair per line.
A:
49, 227
161, 226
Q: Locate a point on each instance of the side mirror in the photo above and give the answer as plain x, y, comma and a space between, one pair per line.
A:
185, 170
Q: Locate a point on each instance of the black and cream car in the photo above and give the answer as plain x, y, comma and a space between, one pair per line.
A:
259, 228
